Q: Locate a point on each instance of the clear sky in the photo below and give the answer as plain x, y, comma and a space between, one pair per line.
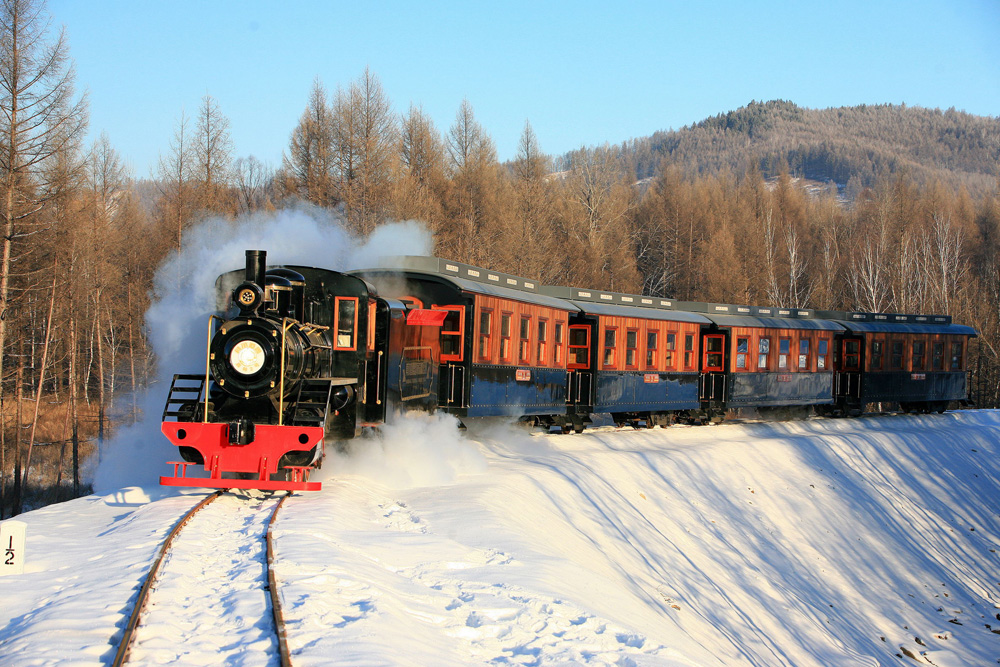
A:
582, 73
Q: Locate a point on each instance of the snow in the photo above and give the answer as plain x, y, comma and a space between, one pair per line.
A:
822, 542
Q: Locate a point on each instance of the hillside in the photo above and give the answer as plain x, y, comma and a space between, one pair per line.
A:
846, 144
827, 542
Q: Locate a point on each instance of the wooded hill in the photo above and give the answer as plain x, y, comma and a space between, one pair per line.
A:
851, 146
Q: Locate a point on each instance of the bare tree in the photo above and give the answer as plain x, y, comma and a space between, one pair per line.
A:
468, 143
909, 288
39, 113
420, 189
529, 252
252, 180
109, 181
947, 265
421, 149
799, 286
774, 294
365, 140
870, 274
309, 164
661, 250
602, 203
213, 155
474, 202
176, 172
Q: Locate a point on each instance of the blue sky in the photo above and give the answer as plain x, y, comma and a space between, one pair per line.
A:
582, 73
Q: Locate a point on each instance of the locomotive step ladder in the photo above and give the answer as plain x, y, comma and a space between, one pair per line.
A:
185, 392
313, 402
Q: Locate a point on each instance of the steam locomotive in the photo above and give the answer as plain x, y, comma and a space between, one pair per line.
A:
299, 358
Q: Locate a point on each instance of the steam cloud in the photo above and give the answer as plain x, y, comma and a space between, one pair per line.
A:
184, 297
417, 449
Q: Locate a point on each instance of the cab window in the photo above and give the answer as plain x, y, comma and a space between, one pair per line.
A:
347, 322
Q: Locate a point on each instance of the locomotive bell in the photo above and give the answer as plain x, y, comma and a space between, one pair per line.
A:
297, 285
278, 294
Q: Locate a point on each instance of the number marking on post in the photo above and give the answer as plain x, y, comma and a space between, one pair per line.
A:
12, 542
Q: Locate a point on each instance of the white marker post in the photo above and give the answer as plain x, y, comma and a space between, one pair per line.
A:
12, 547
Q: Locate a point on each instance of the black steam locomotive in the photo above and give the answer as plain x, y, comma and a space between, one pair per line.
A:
301, 357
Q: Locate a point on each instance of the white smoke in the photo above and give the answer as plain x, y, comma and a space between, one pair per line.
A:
416, 449
184, 297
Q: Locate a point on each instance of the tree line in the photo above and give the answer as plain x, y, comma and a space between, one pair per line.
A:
83, 236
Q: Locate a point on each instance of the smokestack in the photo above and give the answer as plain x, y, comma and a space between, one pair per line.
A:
256, 266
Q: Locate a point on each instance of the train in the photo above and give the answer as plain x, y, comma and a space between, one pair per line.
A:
302, 358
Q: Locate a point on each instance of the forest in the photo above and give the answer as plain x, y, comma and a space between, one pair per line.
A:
901, 214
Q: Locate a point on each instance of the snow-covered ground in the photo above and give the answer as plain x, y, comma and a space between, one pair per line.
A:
826, 542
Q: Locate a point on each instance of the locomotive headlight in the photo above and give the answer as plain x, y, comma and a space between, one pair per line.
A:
247, 357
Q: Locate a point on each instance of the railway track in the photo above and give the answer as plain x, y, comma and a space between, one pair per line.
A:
222, 563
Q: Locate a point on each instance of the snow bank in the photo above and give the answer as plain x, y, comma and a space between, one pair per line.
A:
825, 542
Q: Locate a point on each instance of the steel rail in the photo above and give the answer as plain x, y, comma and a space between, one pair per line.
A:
272, 587
140, 604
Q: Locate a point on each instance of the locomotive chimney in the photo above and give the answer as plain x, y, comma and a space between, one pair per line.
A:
256, 266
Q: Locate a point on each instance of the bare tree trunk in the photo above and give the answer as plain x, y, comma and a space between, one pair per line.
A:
16, 502
100, 376
131, 347
74, 406
770, 257
62, 454
41, 381
3, 458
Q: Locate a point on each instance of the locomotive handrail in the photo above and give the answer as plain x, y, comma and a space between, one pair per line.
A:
314, 327
378, 380
451, 390
208, 365
286, 324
